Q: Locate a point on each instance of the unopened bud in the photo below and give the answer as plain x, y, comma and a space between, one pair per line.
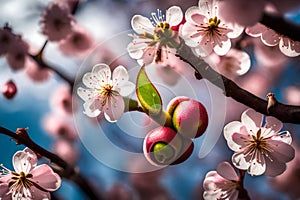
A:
9, 89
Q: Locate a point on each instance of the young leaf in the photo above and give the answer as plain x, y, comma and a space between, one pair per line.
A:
147, 93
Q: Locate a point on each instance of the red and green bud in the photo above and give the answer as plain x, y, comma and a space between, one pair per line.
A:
189, 117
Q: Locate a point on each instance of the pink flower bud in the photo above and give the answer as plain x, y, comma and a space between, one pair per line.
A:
189, 117
163, 146
9, 89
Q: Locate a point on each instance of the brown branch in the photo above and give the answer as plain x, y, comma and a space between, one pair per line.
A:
285, 113
281, 26
243, 194
73, 174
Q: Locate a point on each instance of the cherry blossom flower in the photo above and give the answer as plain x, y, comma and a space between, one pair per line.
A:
78, 43
6, 39
259, 149
35, 72
66, 150
155, 39
269, 37
105, 94
17, 54
57, 21
206, 31
28, 181
58, 126
61, 101
222, 184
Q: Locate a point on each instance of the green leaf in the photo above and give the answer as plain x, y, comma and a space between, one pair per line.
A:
147, 93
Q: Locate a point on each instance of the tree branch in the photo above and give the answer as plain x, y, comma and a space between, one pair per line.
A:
281, 26
285, 113
73, 174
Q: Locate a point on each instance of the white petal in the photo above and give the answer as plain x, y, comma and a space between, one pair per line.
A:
231, 128
114, 108
288, 47
85, 94
239, 161
190, 12
127, 88
257, 166
269, 37
207, 8
227, 171
236, 30
24, 161
120, 76
141, 24
245, 61
102, 72
93, 108
224, 48
90, 80
135, 50
252, 120
274, 124
283, 136
174, 15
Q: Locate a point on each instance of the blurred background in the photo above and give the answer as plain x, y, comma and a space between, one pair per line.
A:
44, 104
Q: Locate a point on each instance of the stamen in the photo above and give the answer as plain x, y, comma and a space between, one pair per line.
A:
4, 170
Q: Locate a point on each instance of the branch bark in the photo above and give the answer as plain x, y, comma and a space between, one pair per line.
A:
285, 113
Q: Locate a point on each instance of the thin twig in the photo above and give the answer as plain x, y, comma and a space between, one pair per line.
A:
285, 113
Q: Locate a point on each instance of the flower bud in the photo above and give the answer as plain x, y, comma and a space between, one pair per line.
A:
9, 89
186, 152
189, 117
162, 146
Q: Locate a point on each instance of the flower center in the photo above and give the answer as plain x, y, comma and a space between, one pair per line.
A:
20, 181
107, 91
213, 23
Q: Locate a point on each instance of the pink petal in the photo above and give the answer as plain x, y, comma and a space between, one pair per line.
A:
24, 161
148, 56
210, 180
174, 15
93, 108
225, 170
44, 176
241, 140
270, 37
85, 94
256, 30
252, 120
198, 18
141, 24
274, 167
3, 192
206, 45
114, 108
274, 124
289, 47
281, 151
38, 194
102, 72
